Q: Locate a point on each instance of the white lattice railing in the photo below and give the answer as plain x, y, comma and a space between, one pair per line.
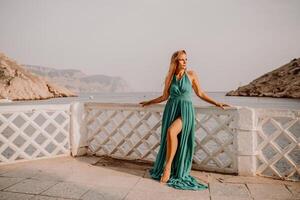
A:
130, 132
33, 132
239, 140
278, 144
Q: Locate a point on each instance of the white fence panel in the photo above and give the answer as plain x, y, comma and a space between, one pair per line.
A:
128, 131
278, 143
28, 133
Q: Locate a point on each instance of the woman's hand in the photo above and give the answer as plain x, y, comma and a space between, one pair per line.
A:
145, 103
222, 105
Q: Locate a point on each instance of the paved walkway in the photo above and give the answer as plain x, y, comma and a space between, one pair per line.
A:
102, 178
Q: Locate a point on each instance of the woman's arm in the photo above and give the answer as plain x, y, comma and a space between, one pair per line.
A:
166, 93
200, 93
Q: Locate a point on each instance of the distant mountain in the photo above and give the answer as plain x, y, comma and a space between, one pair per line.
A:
78, 81
16, 83
52, 73
281, 82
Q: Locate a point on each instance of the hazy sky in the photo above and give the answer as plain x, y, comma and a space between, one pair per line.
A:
229, 42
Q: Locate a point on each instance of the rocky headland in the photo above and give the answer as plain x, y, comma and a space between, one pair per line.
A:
17, 83
283, 82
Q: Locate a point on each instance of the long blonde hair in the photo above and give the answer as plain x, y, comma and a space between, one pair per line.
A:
174, 60
172, 68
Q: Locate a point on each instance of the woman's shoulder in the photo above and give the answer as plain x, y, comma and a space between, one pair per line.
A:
191, 72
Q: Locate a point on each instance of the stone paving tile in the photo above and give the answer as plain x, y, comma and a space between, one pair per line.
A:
88, 178
94, 195
66, 190
8, 181
59, 172
107, 193
230, 198
31, 186
154, 195
49, 176
40, 197
190, 194
14, 196
230, 191
66, 171
269, 191
120, 180
20, 172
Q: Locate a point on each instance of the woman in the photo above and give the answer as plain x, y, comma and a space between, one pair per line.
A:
172, 164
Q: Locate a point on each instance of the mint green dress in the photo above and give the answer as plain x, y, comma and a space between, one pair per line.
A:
179, 103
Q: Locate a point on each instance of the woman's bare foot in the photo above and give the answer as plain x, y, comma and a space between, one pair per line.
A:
166, 175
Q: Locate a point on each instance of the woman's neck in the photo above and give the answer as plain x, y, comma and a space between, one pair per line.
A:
179, 72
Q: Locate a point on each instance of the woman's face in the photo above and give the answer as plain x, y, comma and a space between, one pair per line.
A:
182, 60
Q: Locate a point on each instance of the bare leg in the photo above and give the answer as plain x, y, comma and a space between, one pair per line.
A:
172, 143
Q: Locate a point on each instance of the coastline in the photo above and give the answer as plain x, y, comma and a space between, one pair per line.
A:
136, 97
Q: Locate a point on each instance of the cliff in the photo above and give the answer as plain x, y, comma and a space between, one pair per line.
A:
283, 82
17, 83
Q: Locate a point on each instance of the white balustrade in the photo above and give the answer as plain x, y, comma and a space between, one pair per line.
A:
278, 143
239, 140
129, 131
33, 132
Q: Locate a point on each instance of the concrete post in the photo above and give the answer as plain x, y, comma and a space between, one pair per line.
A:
246, 141
78, 133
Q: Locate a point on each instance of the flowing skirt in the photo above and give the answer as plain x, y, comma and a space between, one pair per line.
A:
180, 177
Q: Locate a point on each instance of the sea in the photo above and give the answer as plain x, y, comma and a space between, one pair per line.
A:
136, 97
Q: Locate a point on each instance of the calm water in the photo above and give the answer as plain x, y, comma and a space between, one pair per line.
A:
135, 97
